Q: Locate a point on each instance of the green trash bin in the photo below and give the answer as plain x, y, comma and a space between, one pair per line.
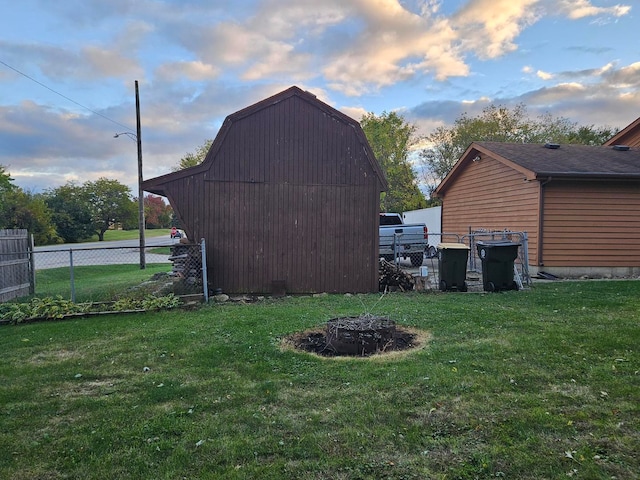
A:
497, 258
452, 266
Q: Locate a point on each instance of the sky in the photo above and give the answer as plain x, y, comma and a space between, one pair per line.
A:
68, 70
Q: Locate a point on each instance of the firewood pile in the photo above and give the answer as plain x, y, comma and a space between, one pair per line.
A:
392, 278
187, 265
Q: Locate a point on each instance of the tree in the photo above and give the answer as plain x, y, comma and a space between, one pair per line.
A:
391, 138
5, 180
22, 209
157, 214
191, 159
591, 135
110, 203
71, 212
499, 124
5, 185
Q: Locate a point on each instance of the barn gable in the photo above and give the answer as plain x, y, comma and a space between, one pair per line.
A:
287, 197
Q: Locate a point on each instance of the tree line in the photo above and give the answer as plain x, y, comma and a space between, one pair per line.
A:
74, 212
415, 165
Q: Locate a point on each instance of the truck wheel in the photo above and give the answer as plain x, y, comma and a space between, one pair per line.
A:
416, 259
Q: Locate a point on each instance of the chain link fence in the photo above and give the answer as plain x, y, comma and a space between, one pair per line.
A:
521, 263
430, 264
108, 273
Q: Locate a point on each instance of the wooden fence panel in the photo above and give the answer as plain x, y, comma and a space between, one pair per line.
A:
16, 279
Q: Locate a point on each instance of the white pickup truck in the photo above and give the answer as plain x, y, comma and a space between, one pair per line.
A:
398, 239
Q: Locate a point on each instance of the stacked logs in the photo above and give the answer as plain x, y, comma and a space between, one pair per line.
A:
391, 278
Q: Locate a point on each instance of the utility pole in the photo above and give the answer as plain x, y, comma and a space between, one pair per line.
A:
143, 261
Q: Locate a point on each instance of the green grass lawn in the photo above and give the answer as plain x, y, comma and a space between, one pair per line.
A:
94, 283
543, 383
112, 235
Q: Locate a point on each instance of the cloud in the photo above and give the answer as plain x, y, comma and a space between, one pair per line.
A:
577, 9
393, 44
625, 77
354, 112
587, 75
46, 144
544, 75
100, 63
491, 26
605, 96
195, 70
357, 46
446, 111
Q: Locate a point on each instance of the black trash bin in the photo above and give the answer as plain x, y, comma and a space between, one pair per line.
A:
452, 266
497, 258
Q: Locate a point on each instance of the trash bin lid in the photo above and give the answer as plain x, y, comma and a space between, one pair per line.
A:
445, 246
498, 243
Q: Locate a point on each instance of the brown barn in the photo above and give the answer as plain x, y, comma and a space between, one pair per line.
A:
286, 199
579, 204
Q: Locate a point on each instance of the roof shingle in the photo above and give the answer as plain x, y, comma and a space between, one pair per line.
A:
569, 160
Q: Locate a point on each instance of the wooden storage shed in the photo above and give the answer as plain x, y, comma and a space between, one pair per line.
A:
580, 205
287, 200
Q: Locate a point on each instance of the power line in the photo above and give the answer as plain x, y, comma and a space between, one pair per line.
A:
64, 96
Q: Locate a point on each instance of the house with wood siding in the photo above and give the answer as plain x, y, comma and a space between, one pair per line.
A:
580, 205
287, 200
629, 135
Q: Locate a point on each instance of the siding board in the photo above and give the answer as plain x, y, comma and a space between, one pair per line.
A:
589, 223
490, 195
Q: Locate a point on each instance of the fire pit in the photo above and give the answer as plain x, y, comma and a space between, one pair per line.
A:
362, 335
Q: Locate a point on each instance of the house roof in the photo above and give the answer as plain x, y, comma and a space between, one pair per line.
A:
155, 185
537, 162
630, 135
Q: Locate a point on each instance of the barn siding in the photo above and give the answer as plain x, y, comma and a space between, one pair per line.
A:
291, 142
258, 237
592, 224
488, 194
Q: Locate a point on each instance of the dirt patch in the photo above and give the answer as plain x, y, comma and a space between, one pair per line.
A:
314, 341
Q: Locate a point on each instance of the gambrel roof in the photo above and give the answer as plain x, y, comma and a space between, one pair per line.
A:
156, 185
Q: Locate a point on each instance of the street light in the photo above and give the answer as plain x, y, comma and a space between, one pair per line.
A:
131, 135
137, 138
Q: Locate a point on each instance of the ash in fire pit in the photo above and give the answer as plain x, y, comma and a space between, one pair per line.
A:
360, 335
365, 336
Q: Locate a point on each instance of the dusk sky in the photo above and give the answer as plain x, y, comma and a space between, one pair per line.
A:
67, 70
